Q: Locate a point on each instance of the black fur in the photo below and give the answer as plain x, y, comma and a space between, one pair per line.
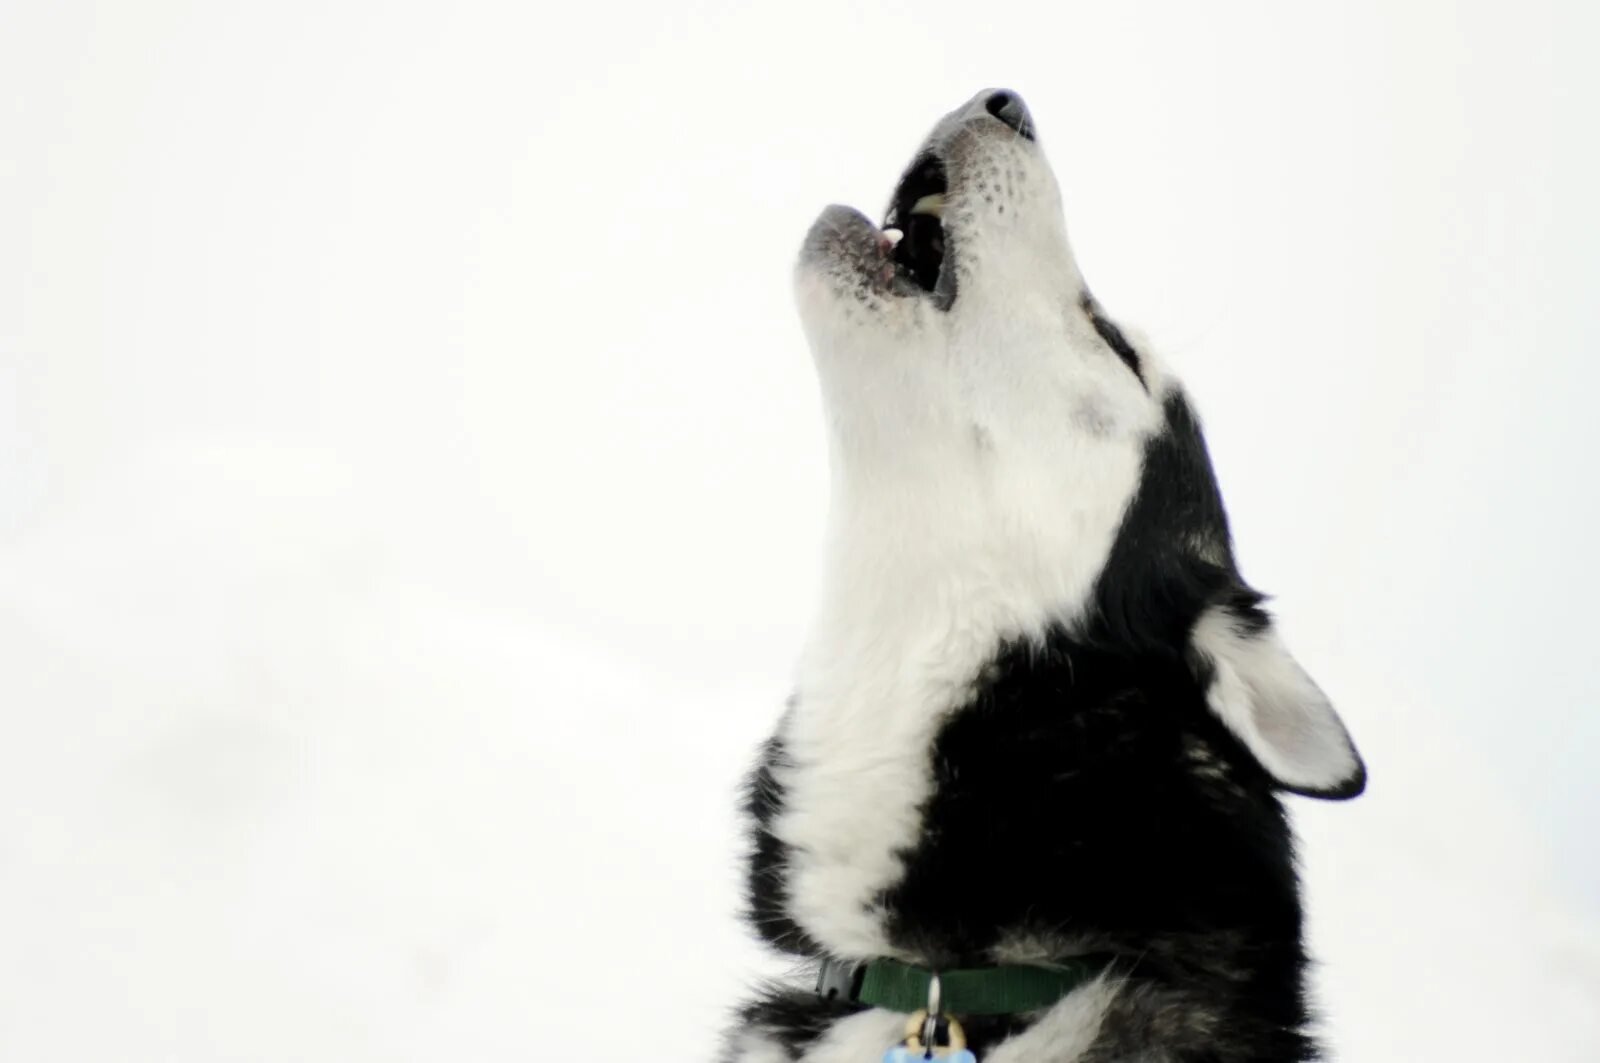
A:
1087, 799
1113, 337
766, 887
1173, 554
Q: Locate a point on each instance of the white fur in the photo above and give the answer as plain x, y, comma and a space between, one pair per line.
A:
1268, 700
982, 460
1062, 1034
860, 1038
756, 1045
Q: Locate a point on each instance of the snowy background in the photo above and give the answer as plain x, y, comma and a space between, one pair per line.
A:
411, 482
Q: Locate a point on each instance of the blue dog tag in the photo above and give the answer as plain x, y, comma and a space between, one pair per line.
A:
902, 1054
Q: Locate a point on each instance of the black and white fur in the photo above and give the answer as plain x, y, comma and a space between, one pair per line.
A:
1040, 714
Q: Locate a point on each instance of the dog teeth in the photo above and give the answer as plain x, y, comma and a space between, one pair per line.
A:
933, 204
894, 236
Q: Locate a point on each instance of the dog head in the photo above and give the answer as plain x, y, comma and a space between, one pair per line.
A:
1007, 459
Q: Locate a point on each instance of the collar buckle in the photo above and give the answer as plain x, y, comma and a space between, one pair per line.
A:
840, 980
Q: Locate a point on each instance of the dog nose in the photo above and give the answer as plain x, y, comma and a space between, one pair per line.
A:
1009, 108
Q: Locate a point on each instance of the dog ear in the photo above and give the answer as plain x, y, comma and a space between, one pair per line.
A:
1269, 702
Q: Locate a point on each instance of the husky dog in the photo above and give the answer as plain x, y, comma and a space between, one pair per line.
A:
1041, 721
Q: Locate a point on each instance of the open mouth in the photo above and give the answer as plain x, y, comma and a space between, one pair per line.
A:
917, 212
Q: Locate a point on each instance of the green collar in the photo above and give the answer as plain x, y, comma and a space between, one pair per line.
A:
1004, 990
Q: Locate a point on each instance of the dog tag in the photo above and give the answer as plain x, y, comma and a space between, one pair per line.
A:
911, 1050
902, 1054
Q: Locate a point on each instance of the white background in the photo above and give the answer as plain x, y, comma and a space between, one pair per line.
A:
411, 481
